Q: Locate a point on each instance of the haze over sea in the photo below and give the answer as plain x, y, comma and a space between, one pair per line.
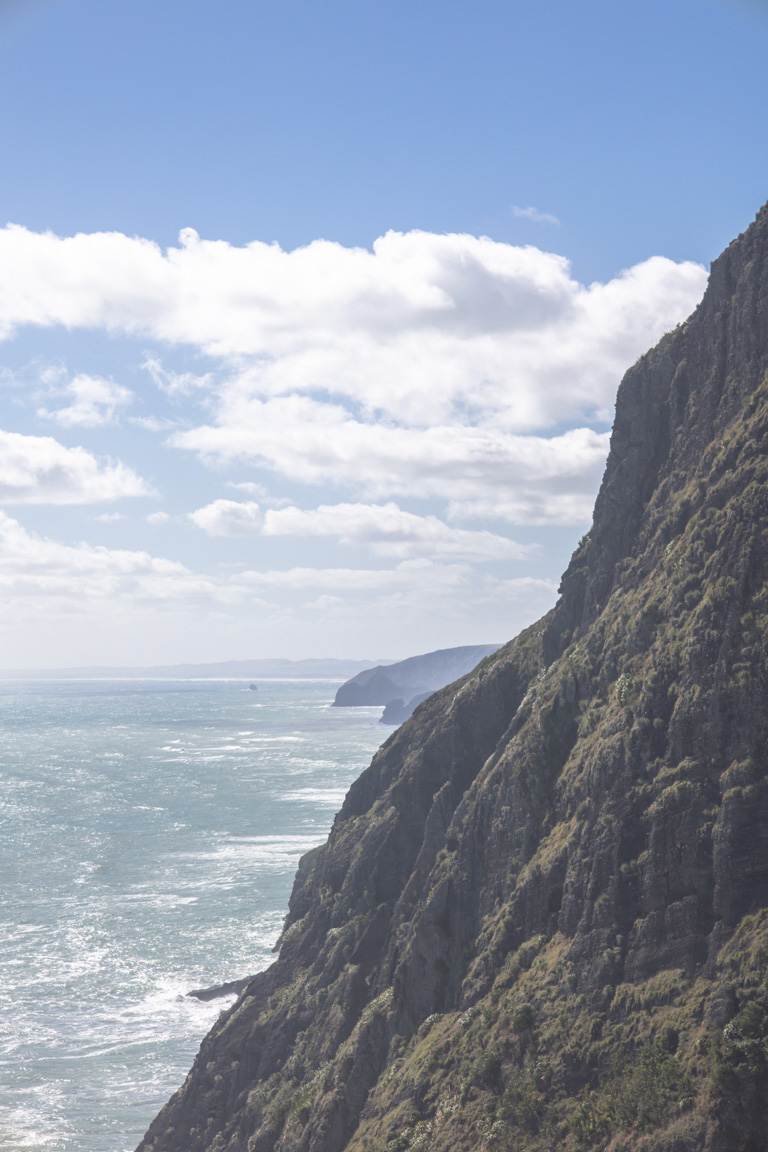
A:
150, 835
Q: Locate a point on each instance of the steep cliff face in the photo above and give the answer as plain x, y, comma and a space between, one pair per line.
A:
541, 917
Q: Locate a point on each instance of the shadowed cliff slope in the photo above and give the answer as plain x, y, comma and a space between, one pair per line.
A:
541, 917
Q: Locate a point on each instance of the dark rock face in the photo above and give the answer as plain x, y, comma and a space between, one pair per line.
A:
541, 918
416, 676
398, 711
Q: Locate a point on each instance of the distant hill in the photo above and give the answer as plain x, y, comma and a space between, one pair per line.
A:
234, 669
401, 686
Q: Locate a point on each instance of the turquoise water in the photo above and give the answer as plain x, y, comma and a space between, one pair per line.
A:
149, 833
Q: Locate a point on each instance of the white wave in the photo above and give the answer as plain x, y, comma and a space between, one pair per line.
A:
269, 852
158, 899
225, 748
324, 797
293, 739
167, 1006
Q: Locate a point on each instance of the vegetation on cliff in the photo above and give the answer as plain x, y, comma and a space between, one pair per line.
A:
541, 917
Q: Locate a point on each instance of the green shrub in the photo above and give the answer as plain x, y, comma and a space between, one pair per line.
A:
640, 1098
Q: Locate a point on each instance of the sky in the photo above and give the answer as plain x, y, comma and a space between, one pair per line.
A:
312, 314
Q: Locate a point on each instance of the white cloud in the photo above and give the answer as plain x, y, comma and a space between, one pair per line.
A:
228, 518
153, 423
156, 519
52, 573
108, 605
420, 326
423, 576
109, 517
52, 375
260, 493
530, 505
391, 531
35, 566
176, 383
315, 442
386, 528
440, 365
521, 585
40, 470
91, 401
250, 488
535, 215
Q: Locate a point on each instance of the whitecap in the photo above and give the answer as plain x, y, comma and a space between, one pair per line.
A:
325, 797
279, 740
267, 852
157, 899
225, 748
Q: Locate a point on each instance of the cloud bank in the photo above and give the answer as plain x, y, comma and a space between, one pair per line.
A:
432, 391
422, 327
386, 528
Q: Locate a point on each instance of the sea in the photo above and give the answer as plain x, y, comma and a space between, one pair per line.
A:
149, 835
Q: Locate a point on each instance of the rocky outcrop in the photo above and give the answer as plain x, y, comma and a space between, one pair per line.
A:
219, 991
541, 918
418, 676
398, 711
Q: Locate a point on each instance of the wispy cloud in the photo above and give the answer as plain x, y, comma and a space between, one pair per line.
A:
88, 401
534, 215
175, 383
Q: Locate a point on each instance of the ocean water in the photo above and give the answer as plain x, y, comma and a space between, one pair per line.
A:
149, 834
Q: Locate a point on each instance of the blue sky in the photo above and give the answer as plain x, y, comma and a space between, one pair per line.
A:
364, 447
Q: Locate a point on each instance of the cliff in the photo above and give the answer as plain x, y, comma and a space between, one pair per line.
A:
407, 679
398, 711
541, 918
